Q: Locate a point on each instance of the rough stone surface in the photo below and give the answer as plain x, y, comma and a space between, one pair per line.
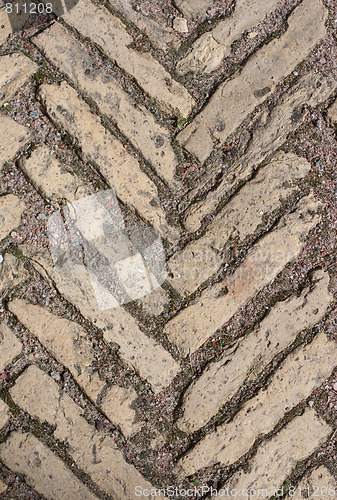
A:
240, 218
110, 34
319, 484
3, 486
12, 273
10, 346
135, 347
209, 50
195, 324
269, 135
235, 99
194, 8
120, 168
293, 382
110, 470
14, 136
4, 414
247, 358
5, 27
117, 406
134, 121
275, 459
11, 209
43, 470
55, 182
15, 69
162, 36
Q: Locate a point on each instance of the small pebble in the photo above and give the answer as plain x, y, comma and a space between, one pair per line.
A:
34, 114
334, 386
1, 259
180, 24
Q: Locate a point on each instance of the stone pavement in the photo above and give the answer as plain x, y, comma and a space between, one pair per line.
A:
215, 125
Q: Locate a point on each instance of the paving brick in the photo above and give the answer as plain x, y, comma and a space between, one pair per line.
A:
332, 113
93, 451
10, 346
120, 168
162, 36
3, 486
248, 357
14, 136
275, 459
12, 273
11, 209
43, 471
299, 374
5, 27
210, 49
195, 324
236, 98
110, 34
319, 484
270, 134
52, 178
119, 326
239, 219
4, 414
68, 342
134, 121
15, 69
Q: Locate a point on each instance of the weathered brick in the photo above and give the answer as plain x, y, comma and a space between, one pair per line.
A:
266, 259
14, 136
110, 34
40, 396
15, 69
5, 27
248, 357
269, 135
4, 414
152, 139
3, 486
10, 346
12, 273
276, 458
120, 168
240, 218
136, 348
11, 210
51, 178
318, 485
68, 342
210, 49
43, 471
162, 36
299, 374
332, 113
236, 98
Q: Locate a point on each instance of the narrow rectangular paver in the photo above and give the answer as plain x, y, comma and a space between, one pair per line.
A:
10, 346
270, 134
138, 124
15, 69
136, 348
42, 470
92, 450
297, 377
236, 98
248, 357
120, 168
196, 323
275, 459
110, 34
13, 138
239, 219
317, 485
209, 50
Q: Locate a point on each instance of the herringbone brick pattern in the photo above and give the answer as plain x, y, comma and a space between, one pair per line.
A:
215, 124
